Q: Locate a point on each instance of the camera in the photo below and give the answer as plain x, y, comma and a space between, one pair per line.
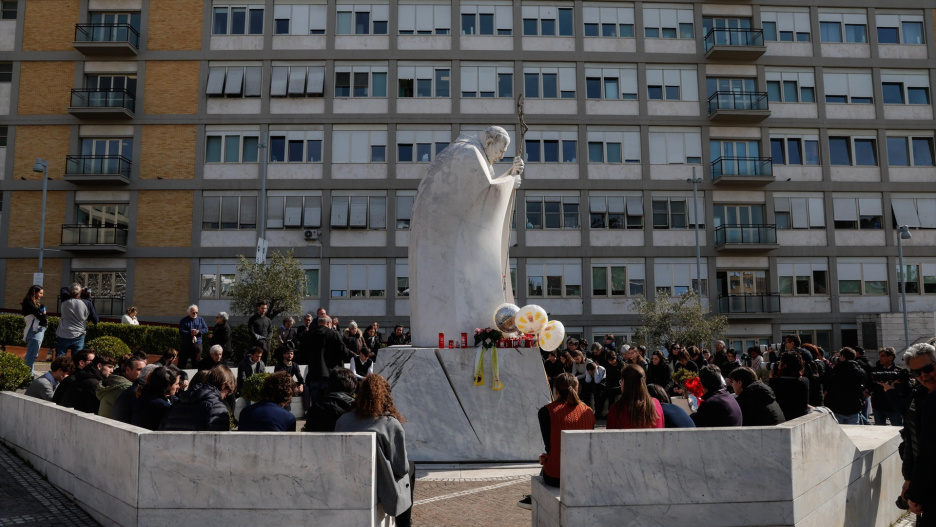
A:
765, 348
890, 376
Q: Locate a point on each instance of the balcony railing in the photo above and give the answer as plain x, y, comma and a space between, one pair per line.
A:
103, 103
97, 168
739, 37
742, 167
749, 304
106, 38
737, 100
86, 236
745, 234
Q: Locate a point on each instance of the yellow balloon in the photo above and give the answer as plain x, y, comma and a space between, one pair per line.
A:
530, 319
551, 335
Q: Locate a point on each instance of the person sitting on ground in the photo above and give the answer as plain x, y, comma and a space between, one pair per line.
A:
168, 357
552, 367
593, 384
372, 340
361, 363
673, 416
271, 414
44, 386
612, 387
126, 401
251, 363
789, 385
718, 408
130, 317
81, 360
322, 415
353, 338
757, 401
683, 362
731, 362
215, 354
82, 394
112, 387
633, 356
636, 408
695, 355
155, 397
202, 407
397, 338
291, 368
597, 355
660, 372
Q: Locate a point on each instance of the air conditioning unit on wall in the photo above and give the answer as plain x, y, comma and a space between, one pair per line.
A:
311, 235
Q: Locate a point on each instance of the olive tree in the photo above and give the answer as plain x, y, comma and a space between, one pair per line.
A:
280, 281
681, 319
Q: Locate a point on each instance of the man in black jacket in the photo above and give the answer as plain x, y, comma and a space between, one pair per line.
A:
260, 328
322, 416
82, 394
82, 360
325, 352
880, 403
845, 389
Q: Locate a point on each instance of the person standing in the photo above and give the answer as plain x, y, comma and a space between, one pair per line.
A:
191, 330
74, 322
325, 352
845, 390
221, 336
130, 317
260, 328
880, 405
35, 323
285, 338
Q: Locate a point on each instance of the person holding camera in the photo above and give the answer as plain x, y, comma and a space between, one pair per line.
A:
77, 311
883, 372
845, 389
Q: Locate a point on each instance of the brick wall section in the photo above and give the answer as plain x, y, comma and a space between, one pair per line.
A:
49, 25
45, 87
164, 218
171, 87
175, 25
161, 286
19, 277
40, 141
168, 151
25, 212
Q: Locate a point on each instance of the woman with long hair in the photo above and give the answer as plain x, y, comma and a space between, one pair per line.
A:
155, 397
659, 371
374, 411
131, 316
36, 323
635, 408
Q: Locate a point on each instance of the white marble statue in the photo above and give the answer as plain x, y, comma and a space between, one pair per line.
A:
459, 235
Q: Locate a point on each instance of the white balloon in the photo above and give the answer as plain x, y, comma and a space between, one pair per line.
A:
530, 319
551, 335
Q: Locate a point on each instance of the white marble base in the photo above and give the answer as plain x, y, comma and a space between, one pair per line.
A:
449, 419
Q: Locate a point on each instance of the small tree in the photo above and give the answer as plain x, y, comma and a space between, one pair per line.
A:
281, 282
680, 319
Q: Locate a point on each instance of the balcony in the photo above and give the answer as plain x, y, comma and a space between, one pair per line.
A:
743, 44
749, 305
97, 169
738, 106
102, 104
107, 39
746, 237
742, 171
87, 238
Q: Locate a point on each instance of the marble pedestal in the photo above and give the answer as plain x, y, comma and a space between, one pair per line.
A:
449, 419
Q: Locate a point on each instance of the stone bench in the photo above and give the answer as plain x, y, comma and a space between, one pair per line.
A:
807, 472
129, 476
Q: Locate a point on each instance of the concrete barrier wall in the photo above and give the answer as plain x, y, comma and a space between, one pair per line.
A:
807, 472
129, 476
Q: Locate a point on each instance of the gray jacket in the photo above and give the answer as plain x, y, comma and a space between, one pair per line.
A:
393, 482
73, 323
42, 388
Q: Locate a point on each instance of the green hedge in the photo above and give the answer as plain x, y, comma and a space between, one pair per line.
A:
14, 373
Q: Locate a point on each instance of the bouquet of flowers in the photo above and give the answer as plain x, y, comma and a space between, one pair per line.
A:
488, 336
682, 375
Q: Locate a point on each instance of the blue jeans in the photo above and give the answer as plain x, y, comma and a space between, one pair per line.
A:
852, 419
881, 417
63, 345
33, 343
317, 389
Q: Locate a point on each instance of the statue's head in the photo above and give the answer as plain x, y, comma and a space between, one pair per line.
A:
495, 140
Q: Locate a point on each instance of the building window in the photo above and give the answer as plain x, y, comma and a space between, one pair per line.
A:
613, 147
312, 281
488, 81
402, 277
291, 211
547, 21
794, 150
899, 29
234, 81
905, 87
8, 10
848, 87
235, 147
6, 72
549, 82
678, 278
4, 131
791, 86
404, 208
299, 19
862, 277
786, 26
910, 151
360, 279
363, 19
359, 212
672, 84
617, 279
611, 83
799, 212
559, 278
843, 27
857, 213
424, 81
297, 81
552, 212
237, 20
675, 146
103, 215
615, 212
494, 18
425, 19
359, 146
667, 23
852, 151
914, 212
108, 289
296, 147
217, 279
360, 81
229, 212
551, 147
421, 146
609, 21
920, 279
803, 279
676, 213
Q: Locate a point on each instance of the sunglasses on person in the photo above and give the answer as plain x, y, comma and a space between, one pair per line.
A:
925, 369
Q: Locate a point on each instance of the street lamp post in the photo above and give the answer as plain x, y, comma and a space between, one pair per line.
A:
43, 167
904, 234
698, 251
